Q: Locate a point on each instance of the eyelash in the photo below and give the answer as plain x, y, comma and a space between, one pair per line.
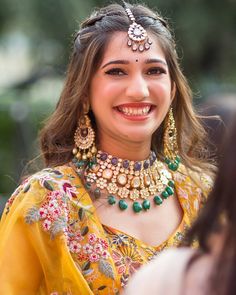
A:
115, 72
157, 71
151, 71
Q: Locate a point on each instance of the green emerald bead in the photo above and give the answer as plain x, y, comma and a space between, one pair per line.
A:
169, 190
171, 183
177, 159
123, 205
173, 166
157, 200
137, 207
146, 204
165, 194
111, 200
177, 163
90, 165
167, 161
87, 185
97, 193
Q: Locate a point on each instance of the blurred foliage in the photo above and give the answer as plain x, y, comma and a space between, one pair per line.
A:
205, 32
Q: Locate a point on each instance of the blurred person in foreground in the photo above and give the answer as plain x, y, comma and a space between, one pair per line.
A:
210, 269
127, 170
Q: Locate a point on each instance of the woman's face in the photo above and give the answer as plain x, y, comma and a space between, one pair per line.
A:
130, 93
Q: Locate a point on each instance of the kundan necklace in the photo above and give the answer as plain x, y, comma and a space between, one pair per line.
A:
122, 179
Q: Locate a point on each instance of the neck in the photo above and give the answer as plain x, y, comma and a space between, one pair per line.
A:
134, 151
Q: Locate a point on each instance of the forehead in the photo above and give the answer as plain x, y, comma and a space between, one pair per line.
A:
117, 48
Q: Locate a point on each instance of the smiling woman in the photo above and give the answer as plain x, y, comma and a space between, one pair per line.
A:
136, 97
124, 154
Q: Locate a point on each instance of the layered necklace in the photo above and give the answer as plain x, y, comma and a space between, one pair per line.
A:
122, 180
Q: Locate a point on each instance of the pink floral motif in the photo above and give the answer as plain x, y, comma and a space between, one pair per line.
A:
92, 239
75, 247
87, 248
98, 248
94, 257
94, 250
43, 212
47, 224
104, 243
52, 209
105, 254
69, 189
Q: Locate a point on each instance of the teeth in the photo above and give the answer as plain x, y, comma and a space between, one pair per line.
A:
134, 111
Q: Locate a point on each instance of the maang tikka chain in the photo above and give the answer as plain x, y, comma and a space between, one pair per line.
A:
137, 35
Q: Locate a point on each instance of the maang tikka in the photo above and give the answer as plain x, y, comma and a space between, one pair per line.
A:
137, 35
84, 138
170, 142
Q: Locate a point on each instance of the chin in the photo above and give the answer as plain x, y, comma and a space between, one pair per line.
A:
138, 137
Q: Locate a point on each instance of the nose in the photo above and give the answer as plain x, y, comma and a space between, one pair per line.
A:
137, 88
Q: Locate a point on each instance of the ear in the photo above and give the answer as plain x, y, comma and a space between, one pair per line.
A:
173, 91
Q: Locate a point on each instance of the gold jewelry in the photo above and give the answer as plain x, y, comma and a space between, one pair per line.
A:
84, 140
134, 180
137, 35
170, 142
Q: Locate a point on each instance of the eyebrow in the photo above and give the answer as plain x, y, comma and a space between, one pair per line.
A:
125, 62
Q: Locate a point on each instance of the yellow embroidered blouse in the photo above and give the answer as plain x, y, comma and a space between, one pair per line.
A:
52, 241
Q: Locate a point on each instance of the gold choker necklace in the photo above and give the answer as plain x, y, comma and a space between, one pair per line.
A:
125, 179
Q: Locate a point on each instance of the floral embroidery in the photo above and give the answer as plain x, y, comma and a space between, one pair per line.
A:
69, 189
106, 257
95, 249
9, 203
54, 212
127, 259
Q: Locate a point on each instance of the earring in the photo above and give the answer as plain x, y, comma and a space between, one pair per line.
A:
84, 138
170, 142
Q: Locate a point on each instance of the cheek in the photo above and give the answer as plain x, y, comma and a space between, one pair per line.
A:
162, 92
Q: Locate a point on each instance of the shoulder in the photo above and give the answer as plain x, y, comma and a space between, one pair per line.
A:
51, 183
171, 260
194, 179
50, 199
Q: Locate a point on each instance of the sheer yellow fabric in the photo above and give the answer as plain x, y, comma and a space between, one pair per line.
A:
53, 243
31, 262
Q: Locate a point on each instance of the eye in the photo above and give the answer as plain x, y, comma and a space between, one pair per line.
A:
156, 71
115, 72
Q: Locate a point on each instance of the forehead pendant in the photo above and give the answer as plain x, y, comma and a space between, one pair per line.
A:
137, 35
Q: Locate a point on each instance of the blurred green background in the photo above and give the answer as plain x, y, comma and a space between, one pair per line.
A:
35, 42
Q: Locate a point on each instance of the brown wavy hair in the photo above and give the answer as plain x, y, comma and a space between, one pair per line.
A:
218, 217
89, 46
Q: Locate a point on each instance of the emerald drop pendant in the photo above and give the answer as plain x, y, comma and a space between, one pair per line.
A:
173, 166
137, 207
146, 204
123, 205
171, 183
169, 190
111, 200
165, 195
158, 200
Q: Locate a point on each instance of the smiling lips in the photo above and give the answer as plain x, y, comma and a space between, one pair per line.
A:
135, 110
